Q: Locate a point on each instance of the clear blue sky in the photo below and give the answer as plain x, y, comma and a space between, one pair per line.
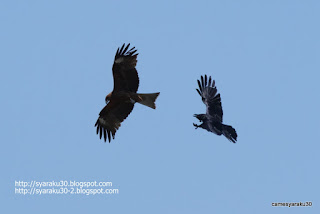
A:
56, 59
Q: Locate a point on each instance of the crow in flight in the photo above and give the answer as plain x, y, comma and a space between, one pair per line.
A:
212, 120
121, 100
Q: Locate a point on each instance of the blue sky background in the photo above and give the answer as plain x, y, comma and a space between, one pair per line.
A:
56, 59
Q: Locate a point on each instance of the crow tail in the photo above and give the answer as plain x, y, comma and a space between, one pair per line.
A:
230, 133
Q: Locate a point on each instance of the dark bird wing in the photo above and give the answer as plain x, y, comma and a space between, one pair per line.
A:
125, 75
210, 98
111, 116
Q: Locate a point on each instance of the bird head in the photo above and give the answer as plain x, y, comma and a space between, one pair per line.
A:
200, 117
197, 116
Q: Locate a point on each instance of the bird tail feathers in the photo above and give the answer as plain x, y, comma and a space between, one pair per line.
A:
230, 133
148, 99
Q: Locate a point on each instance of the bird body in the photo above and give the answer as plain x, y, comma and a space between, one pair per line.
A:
121, 100
212, 120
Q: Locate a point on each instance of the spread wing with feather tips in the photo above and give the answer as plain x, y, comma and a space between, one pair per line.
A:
110, 118
124, 71
208, 92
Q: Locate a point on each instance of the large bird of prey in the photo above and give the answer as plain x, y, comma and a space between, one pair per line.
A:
121, 100
212, 120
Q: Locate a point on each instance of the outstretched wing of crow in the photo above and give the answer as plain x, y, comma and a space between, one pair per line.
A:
208, 92
212, 120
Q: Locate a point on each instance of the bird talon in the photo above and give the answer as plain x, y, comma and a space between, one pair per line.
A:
196, 126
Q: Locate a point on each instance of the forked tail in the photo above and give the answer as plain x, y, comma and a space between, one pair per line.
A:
230, 133
148, 99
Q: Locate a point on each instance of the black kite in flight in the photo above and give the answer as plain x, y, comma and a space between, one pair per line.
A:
121, 100
212, 120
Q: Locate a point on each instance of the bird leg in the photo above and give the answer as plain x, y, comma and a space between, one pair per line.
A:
197, 126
